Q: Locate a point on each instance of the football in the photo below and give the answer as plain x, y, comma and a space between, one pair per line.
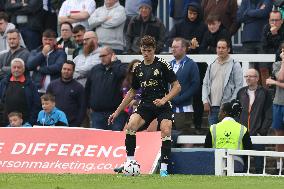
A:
131, 168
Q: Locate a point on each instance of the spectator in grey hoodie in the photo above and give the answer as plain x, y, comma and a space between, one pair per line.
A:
109, 23
5, 26
16, 51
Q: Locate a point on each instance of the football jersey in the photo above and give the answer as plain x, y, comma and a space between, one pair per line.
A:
153, 79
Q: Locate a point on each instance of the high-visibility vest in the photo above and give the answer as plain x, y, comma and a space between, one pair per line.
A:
228, 134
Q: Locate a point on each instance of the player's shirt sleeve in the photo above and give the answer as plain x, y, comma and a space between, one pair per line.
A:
170, 75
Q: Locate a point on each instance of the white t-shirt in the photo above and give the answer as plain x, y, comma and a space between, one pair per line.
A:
70, 6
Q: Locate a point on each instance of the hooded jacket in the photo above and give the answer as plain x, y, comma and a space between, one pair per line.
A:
4, 41
188, 29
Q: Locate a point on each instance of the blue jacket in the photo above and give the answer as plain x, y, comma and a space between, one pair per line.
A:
188, 77
253, 18
32, 97
55, 118
24, 125
51, 67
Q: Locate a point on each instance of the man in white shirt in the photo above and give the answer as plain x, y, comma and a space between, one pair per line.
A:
76, 12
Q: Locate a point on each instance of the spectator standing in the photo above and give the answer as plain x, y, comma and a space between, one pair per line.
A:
65, 41
215, 32
104, 91
144, 24
178, 9
27, 16
188, 76
46, 61
49, 13
222, 81
191, 28
278, 102
90, 57
5, 26
76, 12
18, 93
227, 9
108, 21
69, 95
256, 114
16, 51
253, 14
78, 35
50, 115
273, 33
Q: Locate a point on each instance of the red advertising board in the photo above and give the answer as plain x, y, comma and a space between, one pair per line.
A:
72, 150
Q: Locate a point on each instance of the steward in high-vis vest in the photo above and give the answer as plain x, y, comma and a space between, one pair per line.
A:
228, 133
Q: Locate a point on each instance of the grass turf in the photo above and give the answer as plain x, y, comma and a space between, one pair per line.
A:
71, 181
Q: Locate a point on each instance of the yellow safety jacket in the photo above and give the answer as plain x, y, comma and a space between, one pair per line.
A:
228, 134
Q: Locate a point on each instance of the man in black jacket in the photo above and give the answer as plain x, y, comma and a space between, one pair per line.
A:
104, 91
257, 111
69, 95
27, 16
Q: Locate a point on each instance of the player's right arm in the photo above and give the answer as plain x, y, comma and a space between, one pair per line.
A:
127, 99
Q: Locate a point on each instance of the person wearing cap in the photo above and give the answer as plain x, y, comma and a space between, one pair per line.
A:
144, 24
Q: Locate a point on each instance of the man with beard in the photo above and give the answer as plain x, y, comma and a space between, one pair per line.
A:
16, 51
78, 35
90, 57
69, 95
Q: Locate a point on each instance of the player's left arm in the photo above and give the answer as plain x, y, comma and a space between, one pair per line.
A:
175, 89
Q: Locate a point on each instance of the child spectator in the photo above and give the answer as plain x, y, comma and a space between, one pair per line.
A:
215, 32
16, 120
50, 115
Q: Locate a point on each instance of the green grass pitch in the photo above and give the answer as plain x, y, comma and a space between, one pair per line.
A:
71, 181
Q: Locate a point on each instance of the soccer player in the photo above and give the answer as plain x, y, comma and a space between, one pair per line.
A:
153, 75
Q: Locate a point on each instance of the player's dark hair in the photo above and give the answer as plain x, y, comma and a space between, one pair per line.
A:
148, 41
232, 109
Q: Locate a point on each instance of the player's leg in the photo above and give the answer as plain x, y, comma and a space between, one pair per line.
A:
166, 128
135, 122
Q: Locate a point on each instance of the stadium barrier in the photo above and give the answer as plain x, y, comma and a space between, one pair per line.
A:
209, 58
230, 154
224, 159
